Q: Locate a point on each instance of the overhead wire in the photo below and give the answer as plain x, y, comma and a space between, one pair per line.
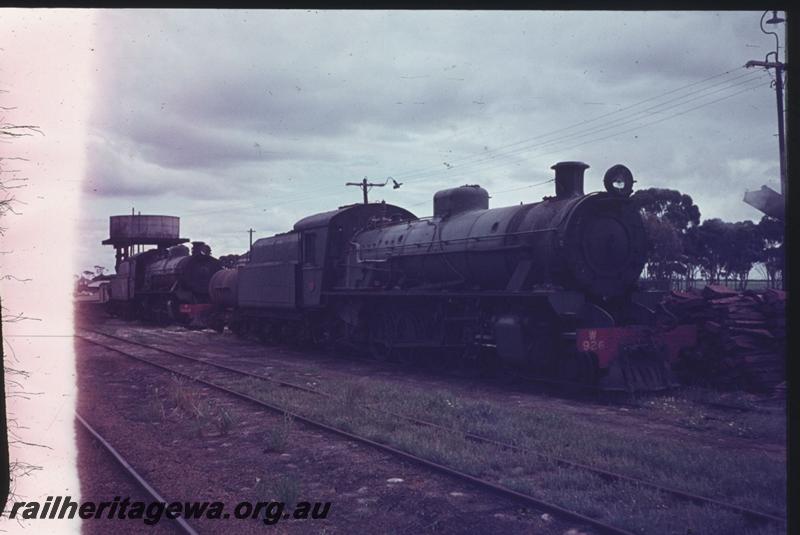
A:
581, 134
598, 117
618, 122
497, 154
587, 132
496, 192
658, 120
604, 115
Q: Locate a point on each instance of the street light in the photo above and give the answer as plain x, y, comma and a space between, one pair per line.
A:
775, 18
779, 68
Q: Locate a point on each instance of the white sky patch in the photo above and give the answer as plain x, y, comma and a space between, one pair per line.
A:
743, 168
46, 63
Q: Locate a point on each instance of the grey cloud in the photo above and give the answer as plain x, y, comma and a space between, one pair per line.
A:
234, 119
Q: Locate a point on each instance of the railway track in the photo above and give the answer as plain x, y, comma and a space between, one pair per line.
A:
485, 485
180, 523
537, 385
607, 475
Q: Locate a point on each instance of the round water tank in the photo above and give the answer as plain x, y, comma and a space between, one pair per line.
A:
144, 227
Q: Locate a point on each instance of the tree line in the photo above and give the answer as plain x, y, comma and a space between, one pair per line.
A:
680, 248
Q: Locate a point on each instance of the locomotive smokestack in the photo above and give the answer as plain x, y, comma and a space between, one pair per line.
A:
569, 179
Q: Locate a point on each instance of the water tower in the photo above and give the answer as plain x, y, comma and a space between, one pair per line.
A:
129, 233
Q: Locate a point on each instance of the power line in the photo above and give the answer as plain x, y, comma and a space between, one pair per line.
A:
618, 133
482, 158
657, 121
749, 88
524, 187
596, 118
613, 124
501, 191
614, 134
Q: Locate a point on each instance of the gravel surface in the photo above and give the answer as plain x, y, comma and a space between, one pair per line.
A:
189, 458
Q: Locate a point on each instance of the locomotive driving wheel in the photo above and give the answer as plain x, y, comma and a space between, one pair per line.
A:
381, 336
410, 332
396, 335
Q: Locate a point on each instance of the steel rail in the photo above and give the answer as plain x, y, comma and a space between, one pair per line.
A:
605, 474
203, 361
497, 489
185, 527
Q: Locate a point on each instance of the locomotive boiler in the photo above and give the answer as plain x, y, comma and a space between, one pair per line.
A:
164, 285
594, 244
548, 286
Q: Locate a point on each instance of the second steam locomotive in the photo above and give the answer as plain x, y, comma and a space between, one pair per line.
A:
168, 284
549, 286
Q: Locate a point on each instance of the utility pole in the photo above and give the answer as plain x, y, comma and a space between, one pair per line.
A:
251, 238
766, 199
779, 68
366, 186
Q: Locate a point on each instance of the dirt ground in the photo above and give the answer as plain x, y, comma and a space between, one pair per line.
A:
188, 458
370, 491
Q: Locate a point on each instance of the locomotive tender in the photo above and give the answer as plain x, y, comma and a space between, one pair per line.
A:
548, 286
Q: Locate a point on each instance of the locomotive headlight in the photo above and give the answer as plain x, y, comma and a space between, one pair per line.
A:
619, 180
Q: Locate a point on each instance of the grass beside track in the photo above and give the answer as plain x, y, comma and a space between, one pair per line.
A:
692, 408
749, 480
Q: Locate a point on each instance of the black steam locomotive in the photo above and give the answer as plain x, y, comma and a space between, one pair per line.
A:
165, 285
548, 286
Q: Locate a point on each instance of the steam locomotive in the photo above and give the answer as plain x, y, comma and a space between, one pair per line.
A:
550, 286
164, 285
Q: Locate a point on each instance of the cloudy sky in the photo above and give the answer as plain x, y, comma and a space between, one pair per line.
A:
240, 119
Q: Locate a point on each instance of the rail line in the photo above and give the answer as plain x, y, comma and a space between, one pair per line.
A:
581, 391
605, 474
481, 483
183, 526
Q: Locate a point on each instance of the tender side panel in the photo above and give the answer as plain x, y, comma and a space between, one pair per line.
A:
269, 285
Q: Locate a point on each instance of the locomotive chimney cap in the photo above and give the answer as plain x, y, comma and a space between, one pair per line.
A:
561, 165
569, 179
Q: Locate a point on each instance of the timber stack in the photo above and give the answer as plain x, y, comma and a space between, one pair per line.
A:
741, 337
